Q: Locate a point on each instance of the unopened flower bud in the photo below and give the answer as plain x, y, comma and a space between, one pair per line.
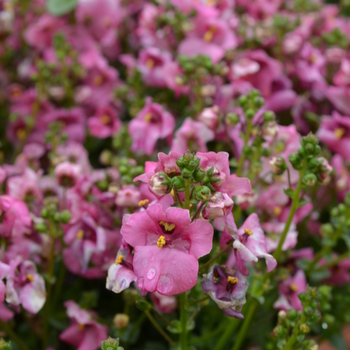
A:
201, 193
325, 170
278, 165
218, 206
295, 161
232, 119
270, 129
269, 116
65, 216
67, 173
159, 184
111, 344
309, 179
304, 328
198, 175
121, 321
178, 183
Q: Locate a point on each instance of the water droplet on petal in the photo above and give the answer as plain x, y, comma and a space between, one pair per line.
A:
165, 284
151, 273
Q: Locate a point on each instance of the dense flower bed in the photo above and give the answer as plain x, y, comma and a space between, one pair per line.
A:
174, 173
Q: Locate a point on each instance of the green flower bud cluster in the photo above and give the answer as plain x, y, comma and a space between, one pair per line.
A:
336, 37
128, 171
4, 345
56, 81
317, 170
293, 326
251, 103
111, 344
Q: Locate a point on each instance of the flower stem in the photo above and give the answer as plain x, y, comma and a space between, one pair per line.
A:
158, 328
247, 320
293, 338
293, 209
5, 326
216, 256
228, 334
246, 140
160, 316
183, 320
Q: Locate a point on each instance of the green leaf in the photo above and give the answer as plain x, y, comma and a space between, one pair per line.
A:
338, 341
289, 192
175, 327
60, 7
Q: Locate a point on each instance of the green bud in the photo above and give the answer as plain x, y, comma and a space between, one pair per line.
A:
186, 173
65, 216
269, 116
326, 230
292, 314
309, 179
44, 213
178, 183
111, 344
198, 175
57, 217
250, 113
201, 193
232, 119
278, 165
243, 101
41, 227
304, 328
295, 161
258, 102
143, 305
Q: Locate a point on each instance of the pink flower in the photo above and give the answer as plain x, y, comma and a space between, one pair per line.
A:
105, 123
342, 175
339, 97
289, 290
16, 218
84, 332
251, 245
41, 31
72, 121
211, 36
227, 287
230, 184
121, 273
151, 123
210, 117
191, 135
335, 133
257, 68
342, 78
67, 173
167, 248
128, 196
164, 303
25, 286
275, 230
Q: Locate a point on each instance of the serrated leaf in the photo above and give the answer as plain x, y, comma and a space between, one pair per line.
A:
60, 7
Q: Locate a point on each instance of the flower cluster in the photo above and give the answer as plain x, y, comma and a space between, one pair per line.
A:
175, 161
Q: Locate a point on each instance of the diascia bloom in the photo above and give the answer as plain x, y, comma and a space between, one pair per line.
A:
167, 247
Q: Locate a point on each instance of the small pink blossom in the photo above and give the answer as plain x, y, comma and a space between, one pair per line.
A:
151, 123
84, 332
105, 123
128, 196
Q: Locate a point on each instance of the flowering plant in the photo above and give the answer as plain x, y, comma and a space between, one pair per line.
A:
174, 174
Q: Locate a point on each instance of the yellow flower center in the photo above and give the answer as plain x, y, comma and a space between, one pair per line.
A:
148, 117
277, 211
80, 234
338, 133
21, 134
81, 326
209, 34
248, 231
232, 280
293, 287
30, 277
150, 63
143, 202
168, 226
105, 119
119, 259
161, 241
98, 80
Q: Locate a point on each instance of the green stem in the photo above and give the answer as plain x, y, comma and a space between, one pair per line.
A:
293, 338
187, 194
5, 326
177, 196
246, 323
246, 140
158, 328
160, 316
293, 209
183, 320
197, 213
229, 245
228, 334
59, 283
